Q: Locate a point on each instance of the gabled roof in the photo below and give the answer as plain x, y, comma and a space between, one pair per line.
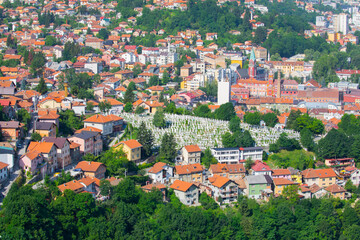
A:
132, 143
261, 167
98, 118
3, 165
181, 185
280, 172
318, 173
335, 189
228, 168
188, 169
218, 181
72, 185
58, 141
44, 125
159, 166
192, 148
282, 181
42, 147
89, 166
149, 187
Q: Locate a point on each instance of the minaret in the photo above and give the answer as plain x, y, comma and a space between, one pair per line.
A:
252, 69
278, 92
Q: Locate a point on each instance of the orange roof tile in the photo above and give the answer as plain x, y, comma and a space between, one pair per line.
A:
42, 147
89, 166
218, 181
132, 143
192, 148
181, 185
189, 169
159, 166
282, 181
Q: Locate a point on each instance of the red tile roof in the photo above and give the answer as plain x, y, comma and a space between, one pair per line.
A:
159, 166
89, 166
181, 185
189, 169
132, 143
218, 181
192, 148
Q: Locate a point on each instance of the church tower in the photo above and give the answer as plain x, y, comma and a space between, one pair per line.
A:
252, 68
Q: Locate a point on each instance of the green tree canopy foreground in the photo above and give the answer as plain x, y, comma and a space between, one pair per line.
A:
130, 213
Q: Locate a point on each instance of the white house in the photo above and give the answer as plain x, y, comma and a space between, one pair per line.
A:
4, 171
7, 157
161, 172
100, 122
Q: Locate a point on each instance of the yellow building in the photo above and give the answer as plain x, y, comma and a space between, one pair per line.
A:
288, 67
45, 129
280, 184
132, 148
50, 103
336, 191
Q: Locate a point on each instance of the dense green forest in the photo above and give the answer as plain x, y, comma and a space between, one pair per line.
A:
132, 214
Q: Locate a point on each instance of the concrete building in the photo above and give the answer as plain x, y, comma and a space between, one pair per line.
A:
341, 23
224, 91
187, 193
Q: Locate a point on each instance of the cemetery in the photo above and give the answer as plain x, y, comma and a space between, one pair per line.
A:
204, 132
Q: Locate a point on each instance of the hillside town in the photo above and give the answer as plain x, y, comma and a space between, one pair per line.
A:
219, 100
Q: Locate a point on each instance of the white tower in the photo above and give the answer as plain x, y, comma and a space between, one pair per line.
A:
224, 88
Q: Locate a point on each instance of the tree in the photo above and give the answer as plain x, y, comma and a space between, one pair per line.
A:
225, 112
129, 96
36, 137
291, 121
307, 140
105, 187
291, 193
89, 106
260, 35
37, 64
248, 164
103, 34
154, 80
270, 119
207, 158
50, 40
137, 70
252, 118
228, 140
104, 106
41, 87
159, 118
116, 162
139, 109
207, 202
168, 149
202, 111
234, 124
128, 107
349, 186
165, 77
284, 143
145, 138
333, 145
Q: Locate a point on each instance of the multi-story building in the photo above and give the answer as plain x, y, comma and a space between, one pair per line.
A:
188, 193
90, 142
234, 155
223, 189
132, 148
231, 171
161, 172
63, 150
48, 151
341, 23
191, 154
321, 177
189, 173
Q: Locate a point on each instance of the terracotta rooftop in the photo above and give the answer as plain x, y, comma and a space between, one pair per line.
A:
188, 169
181, 185
159, 166
218, 181
88, 166
192, 148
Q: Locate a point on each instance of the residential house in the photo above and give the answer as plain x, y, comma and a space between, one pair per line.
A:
101, 122
295, 175
7, 155
49, 116
336, 191
33, 162
132, 148
85, 184
316, 191
281, 173
90, 142
321, 177
45, 129
260, 168
92, 169
188, 193
4, 171
157, 185
223, 189
256, 185
161, 172
63, 150
280, 183
48, 151
231, 171
11, 130
189, 173
191, 154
